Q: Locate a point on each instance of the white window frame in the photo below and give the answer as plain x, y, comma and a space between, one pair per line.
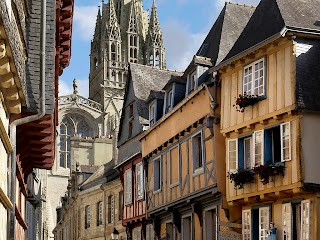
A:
251, 91
139, 181
246, 224
254, 148
200, 169
169, 99
128, 187
287, 220
251, 152
174, 184
267, 223
152, 117
282, 130
306, 220
160, 175
191, 226
173, 230
216, 220
228, 154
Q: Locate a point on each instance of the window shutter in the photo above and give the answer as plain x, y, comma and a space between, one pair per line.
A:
246, 224
305, 219
258, 148
285, 129
264, 221
287, 221
241, 153
268, 147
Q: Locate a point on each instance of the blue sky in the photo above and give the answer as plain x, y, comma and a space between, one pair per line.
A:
184, 24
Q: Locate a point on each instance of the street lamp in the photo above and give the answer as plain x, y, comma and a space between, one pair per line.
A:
115, 234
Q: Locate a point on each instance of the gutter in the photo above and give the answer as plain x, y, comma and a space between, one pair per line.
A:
18, 122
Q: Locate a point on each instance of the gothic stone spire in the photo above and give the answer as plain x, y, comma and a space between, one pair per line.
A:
113, 25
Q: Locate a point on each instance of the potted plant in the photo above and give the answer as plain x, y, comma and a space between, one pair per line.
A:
265, 172
244, 101
240, 177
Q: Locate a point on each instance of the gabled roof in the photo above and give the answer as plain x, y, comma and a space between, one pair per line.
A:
274, 17
143, 79
225, 31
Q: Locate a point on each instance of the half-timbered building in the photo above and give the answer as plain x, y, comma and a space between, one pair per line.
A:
184, 151
270, 118
134, 120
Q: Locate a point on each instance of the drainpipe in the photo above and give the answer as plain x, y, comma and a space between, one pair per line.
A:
18, 122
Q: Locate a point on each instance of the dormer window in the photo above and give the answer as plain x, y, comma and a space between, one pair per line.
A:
169, 96
152, 113
192, 82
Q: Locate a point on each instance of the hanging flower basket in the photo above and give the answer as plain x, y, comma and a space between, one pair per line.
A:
244, 101
241, 177
265, 172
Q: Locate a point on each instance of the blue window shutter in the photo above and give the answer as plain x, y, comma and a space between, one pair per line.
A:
240, 153
268, 147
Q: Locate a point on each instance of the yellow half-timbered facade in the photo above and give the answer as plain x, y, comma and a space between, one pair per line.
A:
270, 118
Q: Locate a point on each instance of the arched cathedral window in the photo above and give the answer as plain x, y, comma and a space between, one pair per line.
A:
113, 52
71, 125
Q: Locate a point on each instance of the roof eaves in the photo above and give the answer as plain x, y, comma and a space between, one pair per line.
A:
276, 36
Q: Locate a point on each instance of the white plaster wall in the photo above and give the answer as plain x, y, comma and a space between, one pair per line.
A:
311, 147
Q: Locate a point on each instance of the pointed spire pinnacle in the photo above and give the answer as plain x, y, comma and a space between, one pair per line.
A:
133, 28
114, 29
97, 30
154, 25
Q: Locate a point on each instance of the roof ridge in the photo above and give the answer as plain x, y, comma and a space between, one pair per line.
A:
240, 4
158, 69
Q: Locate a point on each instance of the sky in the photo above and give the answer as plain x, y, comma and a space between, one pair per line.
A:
184, 23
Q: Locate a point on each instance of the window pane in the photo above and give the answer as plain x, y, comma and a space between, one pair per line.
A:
157, 175
197, 151
258, 145
232, 155
285, 133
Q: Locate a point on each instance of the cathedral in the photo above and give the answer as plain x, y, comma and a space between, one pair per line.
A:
87, 133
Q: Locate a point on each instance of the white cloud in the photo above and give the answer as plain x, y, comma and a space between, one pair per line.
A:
181, 44
66, 88
85, 20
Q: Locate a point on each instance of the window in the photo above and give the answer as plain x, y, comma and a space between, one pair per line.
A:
171, 232
113, 52
149, 232
210, 221
186, 228
174, 166
169, 96
139, 181
110, 209
285, 141
247, 152
192, 81
254, 78
87, 217
246, 224
256, 223
99, 213
296, 220
157, 174
136, 233
120, 205
264, 221
152, 113
71, 125
232, 155
197, 152
258, 148
128, 187
305, 220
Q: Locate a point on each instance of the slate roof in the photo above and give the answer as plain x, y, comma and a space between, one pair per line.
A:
144, 79
271, 17
101, 175
225, 31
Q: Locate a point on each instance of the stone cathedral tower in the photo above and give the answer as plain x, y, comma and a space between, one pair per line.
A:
124, 33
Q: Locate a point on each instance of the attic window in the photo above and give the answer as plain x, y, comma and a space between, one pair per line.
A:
152, 113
